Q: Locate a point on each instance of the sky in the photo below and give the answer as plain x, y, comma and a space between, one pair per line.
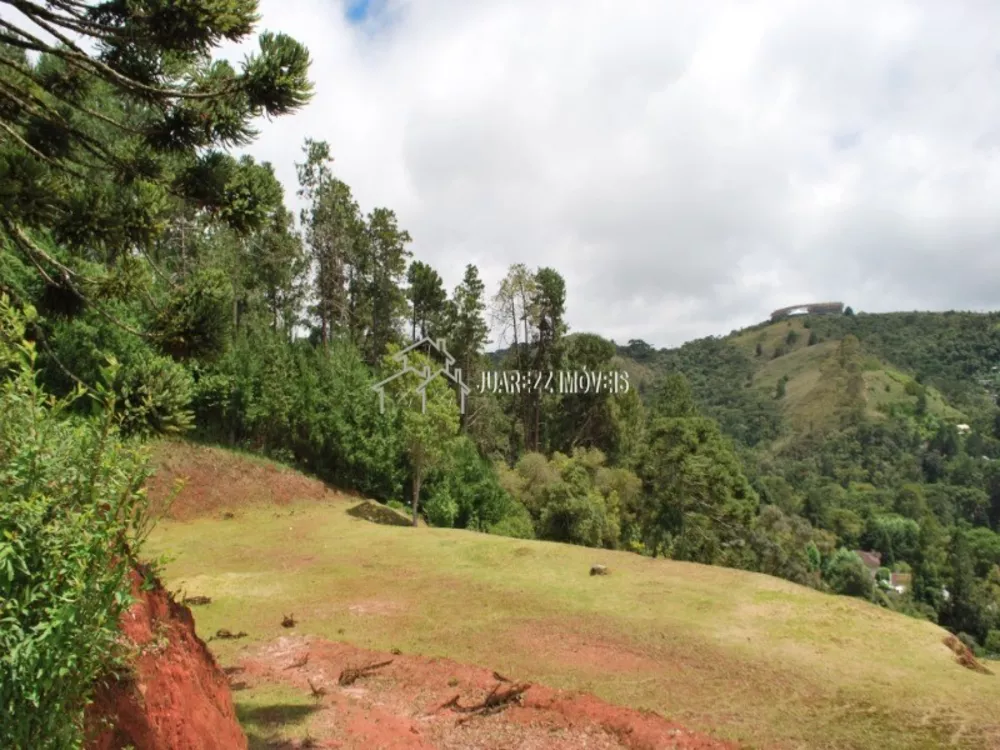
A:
686, 166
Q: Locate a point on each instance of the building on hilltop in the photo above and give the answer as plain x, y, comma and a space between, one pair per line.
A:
815, 308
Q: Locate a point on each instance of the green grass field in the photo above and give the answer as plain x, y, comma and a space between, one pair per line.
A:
739, 655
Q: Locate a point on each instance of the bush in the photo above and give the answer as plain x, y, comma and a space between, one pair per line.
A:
991, 645
152, 392
516, 524
846, 574
472, 483
71, 517
441, 509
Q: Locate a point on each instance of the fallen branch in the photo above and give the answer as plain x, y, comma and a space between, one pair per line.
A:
317, 692
224, 634
351, 675
494, 703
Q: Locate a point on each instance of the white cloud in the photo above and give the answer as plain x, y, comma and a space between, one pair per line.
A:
686, 166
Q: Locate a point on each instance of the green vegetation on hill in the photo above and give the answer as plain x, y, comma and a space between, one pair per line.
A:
865, 446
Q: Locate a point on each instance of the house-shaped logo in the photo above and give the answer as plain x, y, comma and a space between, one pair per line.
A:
452, 373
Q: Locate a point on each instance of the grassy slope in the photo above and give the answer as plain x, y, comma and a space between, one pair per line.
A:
736, 654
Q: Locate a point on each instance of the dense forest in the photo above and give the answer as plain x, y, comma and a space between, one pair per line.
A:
153, 284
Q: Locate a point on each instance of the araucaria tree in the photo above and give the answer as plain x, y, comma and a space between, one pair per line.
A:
119, 120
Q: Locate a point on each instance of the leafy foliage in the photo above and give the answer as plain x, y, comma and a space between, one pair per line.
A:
71, 513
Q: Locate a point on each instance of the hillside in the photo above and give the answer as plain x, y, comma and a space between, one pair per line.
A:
736, 655
953, 355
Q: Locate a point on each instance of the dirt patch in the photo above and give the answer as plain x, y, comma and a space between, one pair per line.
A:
219, 482
593, 652
176, 697
378, 513
423, 703
964, 656
375, 607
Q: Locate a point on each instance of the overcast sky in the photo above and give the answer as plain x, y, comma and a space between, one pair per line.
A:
687, 166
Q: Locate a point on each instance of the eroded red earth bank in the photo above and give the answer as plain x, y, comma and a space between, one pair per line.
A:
178, 698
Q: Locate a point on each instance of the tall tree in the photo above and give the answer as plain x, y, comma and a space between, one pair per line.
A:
333, 225
427, 301
512, 314
510, 308
963, 608
388, 255
699, 504
468, 331
546, 310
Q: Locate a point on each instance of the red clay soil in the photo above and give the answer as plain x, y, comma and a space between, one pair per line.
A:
178, 699
218, 481
416, 703
964, 655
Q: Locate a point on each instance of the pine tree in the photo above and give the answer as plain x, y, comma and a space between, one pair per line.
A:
333, 225
385, 294
427, 301
468, 331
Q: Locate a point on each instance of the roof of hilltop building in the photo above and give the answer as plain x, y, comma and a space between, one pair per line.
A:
813, 308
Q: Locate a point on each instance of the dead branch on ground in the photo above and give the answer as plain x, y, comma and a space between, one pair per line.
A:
351, 675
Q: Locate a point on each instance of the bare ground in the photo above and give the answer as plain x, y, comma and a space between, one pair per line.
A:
420, 703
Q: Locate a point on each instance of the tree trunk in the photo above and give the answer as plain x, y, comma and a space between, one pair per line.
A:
416, 495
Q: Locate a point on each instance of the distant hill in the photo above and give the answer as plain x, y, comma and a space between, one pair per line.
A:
950, 357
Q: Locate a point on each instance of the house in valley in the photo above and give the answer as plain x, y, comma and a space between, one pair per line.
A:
872, 560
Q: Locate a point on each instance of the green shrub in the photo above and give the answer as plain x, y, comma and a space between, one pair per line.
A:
814, 556
71, 518
152, 392
441, 509
472, 483
846, 574
991, 645
516, 524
